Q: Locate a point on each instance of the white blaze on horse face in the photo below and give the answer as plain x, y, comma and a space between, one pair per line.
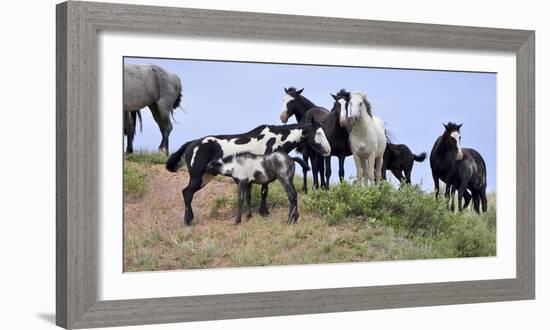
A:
284, 114
355, 107
343, 119
456, 135
321, 139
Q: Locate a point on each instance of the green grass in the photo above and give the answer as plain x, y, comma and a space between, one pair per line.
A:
134, 179
147, 157
348, 223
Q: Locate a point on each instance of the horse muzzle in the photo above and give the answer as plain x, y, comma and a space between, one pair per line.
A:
284, 117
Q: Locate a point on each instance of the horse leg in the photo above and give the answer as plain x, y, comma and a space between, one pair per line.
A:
370, 169
461, 190
453, 190
436, 184
408, 171
384, 166
398, 175
378, 162
483, 195
263, 202
315, 170
292, 199
248, 200
341, 174
304, 170
358, 168
321, 162
328, 171
161, 114
195, 184
242, 192
467, 199
475, 198
129, 130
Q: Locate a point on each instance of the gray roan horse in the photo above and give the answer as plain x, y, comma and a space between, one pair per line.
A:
150, 86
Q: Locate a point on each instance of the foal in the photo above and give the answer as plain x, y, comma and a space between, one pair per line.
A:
246, 168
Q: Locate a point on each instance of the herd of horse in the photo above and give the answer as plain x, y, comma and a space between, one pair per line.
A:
349, 129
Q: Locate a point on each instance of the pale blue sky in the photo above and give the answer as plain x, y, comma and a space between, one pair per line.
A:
234, 97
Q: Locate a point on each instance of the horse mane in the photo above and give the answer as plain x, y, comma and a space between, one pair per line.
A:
390, 137
367, 105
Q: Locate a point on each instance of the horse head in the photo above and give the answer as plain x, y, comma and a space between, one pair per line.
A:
358, 104
317, 140
341, 100
290, 104
452, 138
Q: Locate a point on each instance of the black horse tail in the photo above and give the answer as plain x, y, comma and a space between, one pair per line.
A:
301, 162
137, 115
174, 160
177, 103
420, 158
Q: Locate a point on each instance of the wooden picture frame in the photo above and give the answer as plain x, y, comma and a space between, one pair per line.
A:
78, 24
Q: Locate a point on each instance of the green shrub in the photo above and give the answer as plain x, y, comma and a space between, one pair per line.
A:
405, 209
134, 179
468, 235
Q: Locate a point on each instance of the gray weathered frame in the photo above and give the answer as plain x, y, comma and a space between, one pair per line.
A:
78, 24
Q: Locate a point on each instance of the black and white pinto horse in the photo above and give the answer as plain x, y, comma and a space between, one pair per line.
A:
445, 153
337, 135
246, 168
399, 159
153, 87
295, 104
262, 140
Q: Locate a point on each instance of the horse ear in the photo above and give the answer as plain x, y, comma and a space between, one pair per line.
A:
286, 90
459, 126
445, 126
299, 91
334, 97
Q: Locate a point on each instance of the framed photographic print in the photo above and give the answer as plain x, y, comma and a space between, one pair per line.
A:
267, 165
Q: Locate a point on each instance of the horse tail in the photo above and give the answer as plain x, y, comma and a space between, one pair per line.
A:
420, 158
301, 162
174, 160
389, 136
137, 115
177, 103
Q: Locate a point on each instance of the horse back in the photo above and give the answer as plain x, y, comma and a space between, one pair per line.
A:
318, 114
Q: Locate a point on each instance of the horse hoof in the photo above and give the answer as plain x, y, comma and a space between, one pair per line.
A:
264, 213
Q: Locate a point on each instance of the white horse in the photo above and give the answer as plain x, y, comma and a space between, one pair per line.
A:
367, 138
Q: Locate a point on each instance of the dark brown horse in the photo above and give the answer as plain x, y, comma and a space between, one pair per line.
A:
399, 159
445, 152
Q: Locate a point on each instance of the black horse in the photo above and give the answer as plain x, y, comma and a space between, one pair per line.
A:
470, 173
445, 152
262, 140
399, 159
295, 104
337, 135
